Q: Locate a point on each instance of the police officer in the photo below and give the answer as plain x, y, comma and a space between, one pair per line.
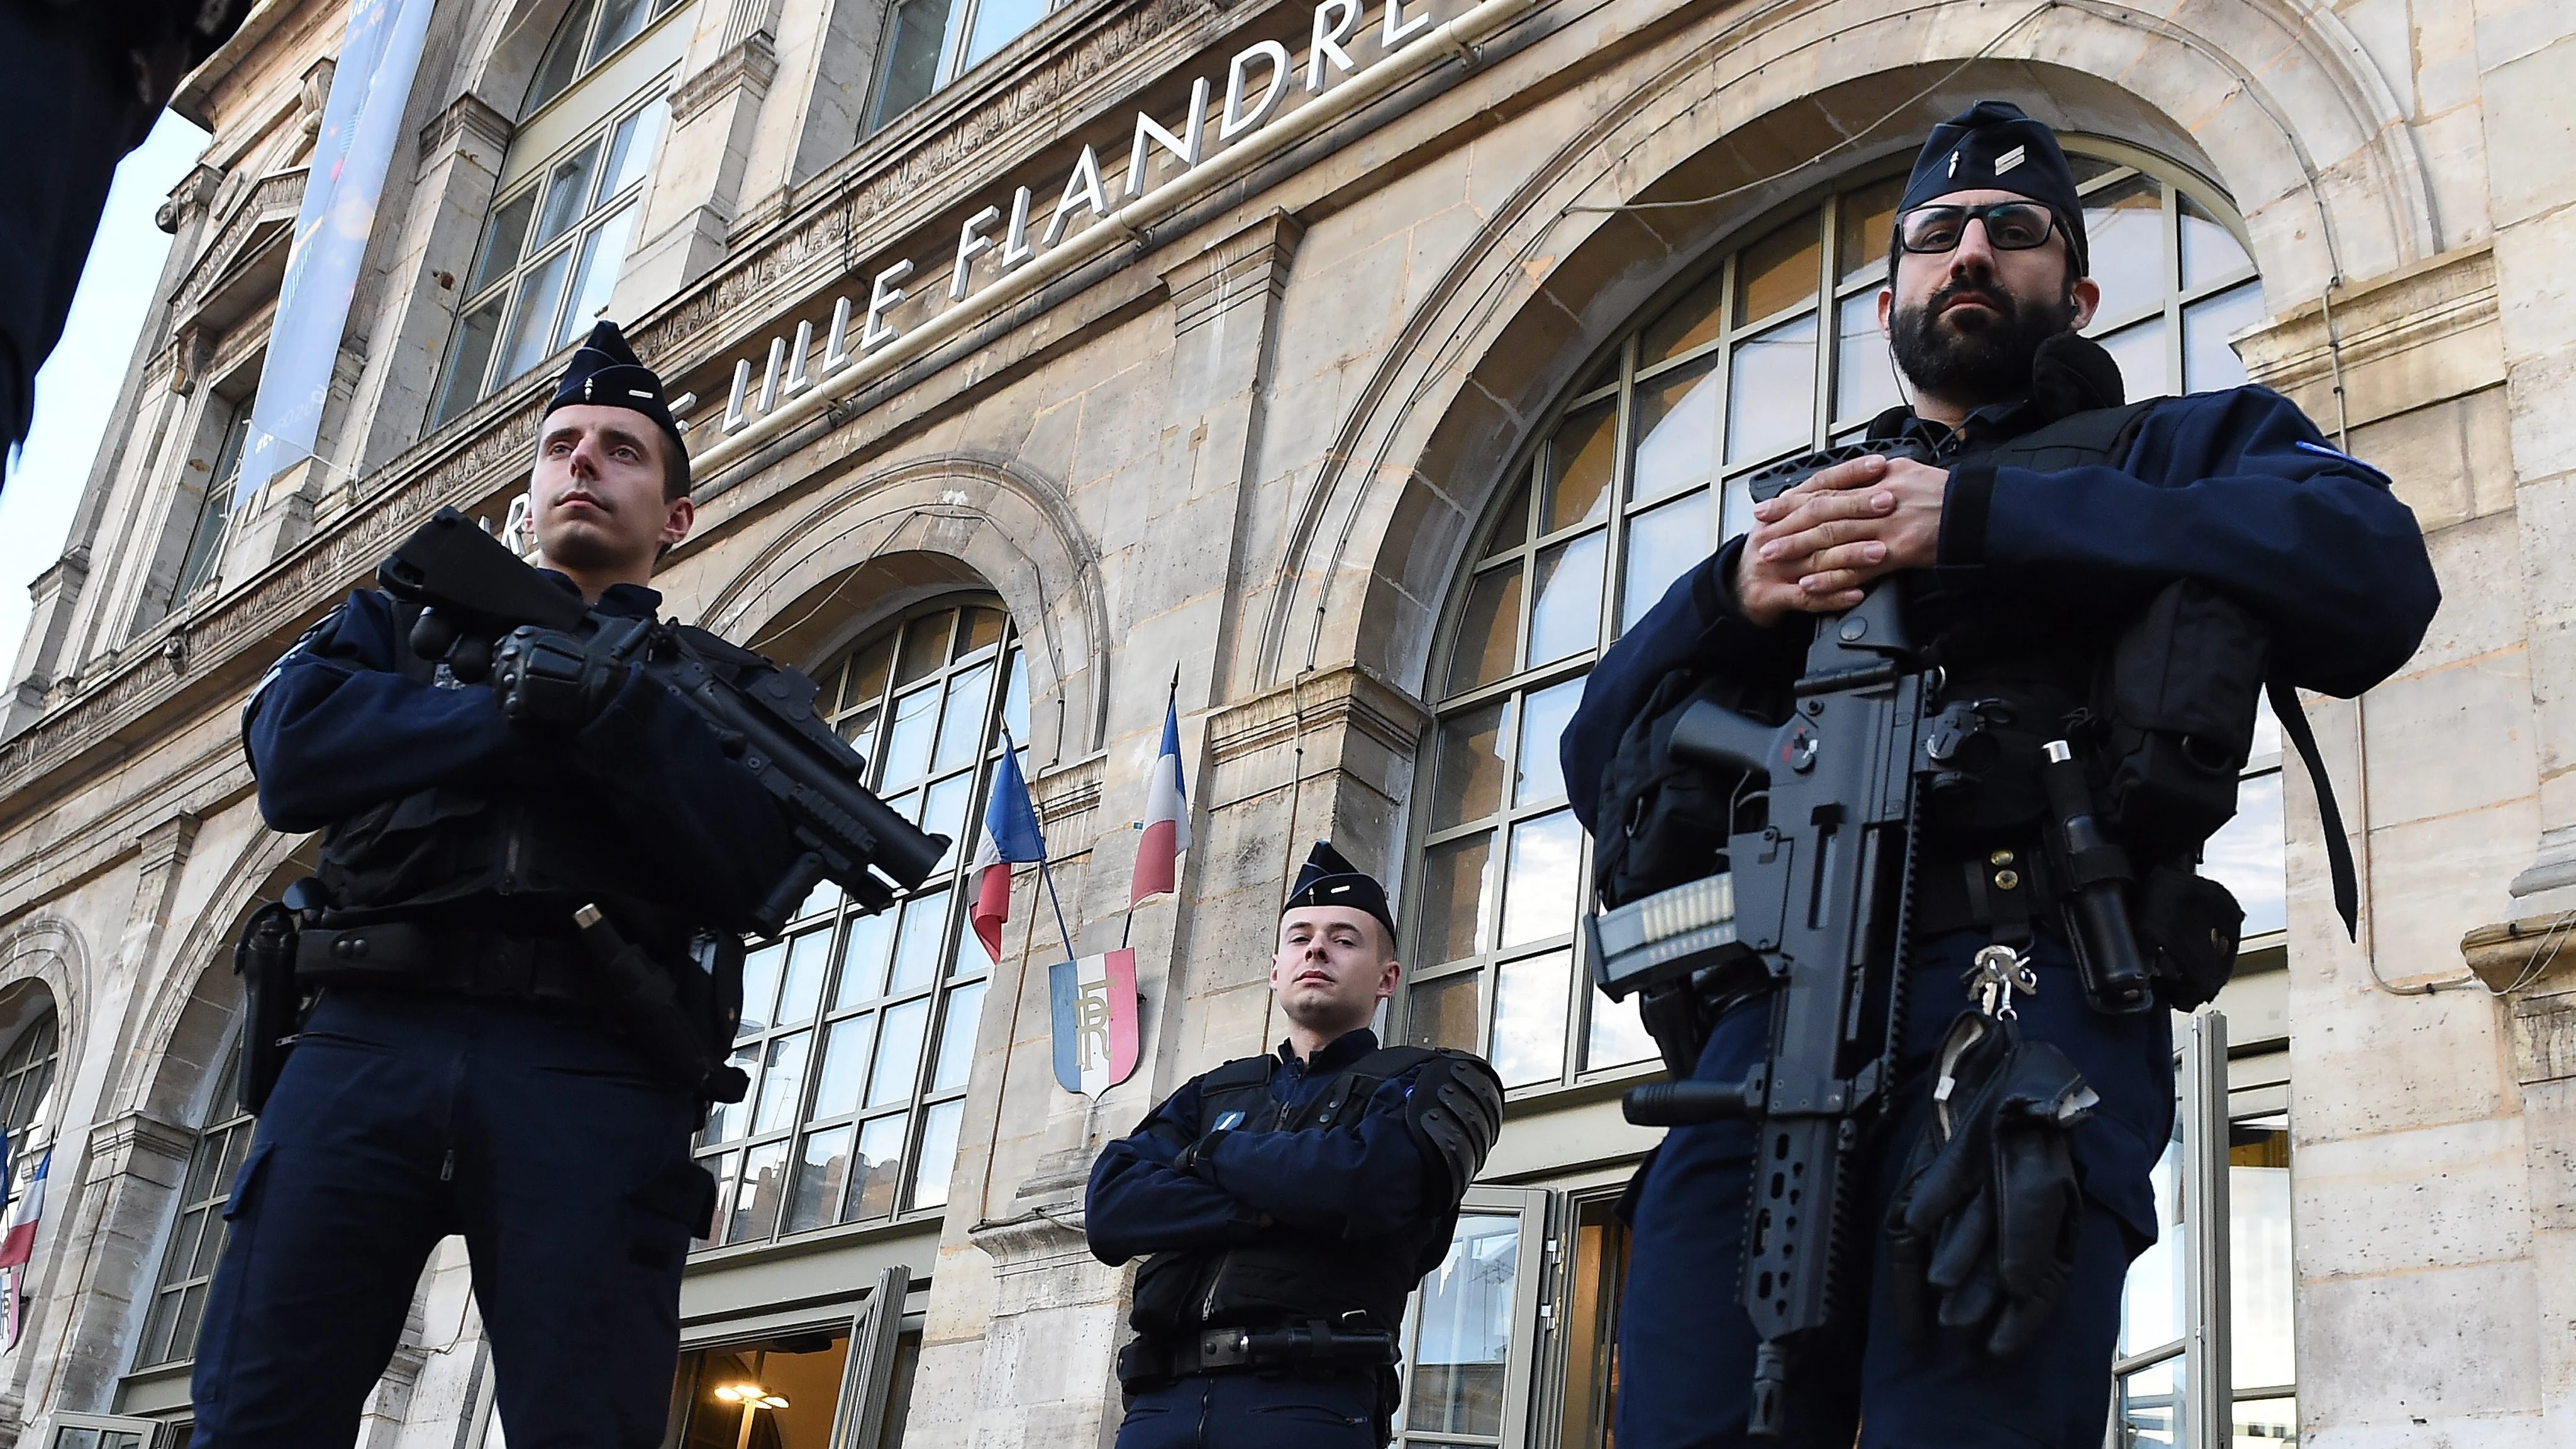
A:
2049, 517
1286, 1205
456, 1074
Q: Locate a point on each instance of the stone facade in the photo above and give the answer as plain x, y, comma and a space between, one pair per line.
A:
1247, 438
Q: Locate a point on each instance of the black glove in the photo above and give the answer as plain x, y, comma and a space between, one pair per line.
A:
1983, 1225
549, 680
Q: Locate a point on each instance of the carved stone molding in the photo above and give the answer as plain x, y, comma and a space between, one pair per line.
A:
1346, 697
113, 1141
470, 125
1034, 1243
1248, 264
748, 66
2409, 338
1069, 790
313, 94
195, 192
2527, 963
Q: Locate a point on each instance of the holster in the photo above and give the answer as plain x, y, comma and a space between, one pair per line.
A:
264, 958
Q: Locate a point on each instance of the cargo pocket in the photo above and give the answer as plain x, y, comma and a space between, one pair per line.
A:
673, 1206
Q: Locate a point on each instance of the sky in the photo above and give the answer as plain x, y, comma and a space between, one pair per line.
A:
76, 389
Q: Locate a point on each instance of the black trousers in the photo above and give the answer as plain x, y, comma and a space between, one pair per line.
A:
402, 1118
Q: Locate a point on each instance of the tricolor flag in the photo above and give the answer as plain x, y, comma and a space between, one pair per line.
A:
1167, 815
1094, 1003
19, 1244
1010, 834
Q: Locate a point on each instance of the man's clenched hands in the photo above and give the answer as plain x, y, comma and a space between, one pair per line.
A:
1814, 547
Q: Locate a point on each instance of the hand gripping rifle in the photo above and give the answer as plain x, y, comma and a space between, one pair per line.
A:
474, 592
1818, 898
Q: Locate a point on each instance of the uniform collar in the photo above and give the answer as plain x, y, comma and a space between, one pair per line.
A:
626, 601
1343, 1050
1993, 423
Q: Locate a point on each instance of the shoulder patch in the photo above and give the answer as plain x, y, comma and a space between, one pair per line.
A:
2322, 451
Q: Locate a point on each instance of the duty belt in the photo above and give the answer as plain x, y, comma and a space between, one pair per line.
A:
413, 956
2002, 887
1312, 1347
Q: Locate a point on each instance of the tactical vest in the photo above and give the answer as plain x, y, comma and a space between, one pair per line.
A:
1290, 1277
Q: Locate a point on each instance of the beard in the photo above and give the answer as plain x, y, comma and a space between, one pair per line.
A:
1973, 358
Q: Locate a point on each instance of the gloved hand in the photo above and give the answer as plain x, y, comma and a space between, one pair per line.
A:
550, 681
1983, 1224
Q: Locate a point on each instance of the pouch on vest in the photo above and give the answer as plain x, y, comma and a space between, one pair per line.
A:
2176, 706
2191, 926
1663, 823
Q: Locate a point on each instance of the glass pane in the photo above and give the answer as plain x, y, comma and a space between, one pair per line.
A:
532, 316
1676, 431
2151, 1408
563, 59
1578, 468
845, 1065
567, 194
898, 1063
865, 681
630, 150
803, 991
1777, 272
916, 952
912, 58
1487, 629
825, 896
961, 726
1864, 378
1470, 782
997, 23
761, 970
978, 629
925, 648
2267, 1423
2124, 234
764, 1184
872, 1182
1530, 998
2247, 854
1538, 774
822, 1175
863, 958
1443, 1013
1511, 524
1863, 226
2209, 250
782, 1083
2208, 363
2260, 1274
1662, 546
467, 358
727, 1120
938, 1154
1771, 406
2140, 352
1539, 884
618, 22
1566, 616
603, 257
502, 243
964, 1006
1618, 1035
2151, 1300
1692, 322
723, 1167
944, 811
908, 739
1465, 1338
1453, 887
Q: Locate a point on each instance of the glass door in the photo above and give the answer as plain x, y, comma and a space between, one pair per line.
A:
1471, 1333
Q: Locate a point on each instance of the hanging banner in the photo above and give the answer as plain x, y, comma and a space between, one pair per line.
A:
361, 124
1095, 1021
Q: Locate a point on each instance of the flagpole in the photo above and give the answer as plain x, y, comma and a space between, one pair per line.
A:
1011, 746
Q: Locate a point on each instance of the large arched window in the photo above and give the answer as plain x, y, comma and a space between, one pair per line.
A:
197, 1229
858, 1031
27, 1092
571, 189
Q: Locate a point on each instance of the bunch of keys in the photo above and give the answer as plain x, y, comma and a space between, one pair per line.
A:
1997, 973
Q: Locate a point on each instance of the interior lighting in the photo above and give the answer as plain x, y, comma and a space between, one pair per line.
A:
750, 1396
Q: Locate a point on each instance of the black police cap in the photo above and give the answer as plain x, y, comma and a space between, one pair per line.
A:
1993, 146
605, 372
1329, 879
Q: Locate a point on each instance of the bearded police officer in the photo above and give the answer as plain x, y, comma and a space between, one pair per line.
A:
1286, 1205
2028, 551
456, 1074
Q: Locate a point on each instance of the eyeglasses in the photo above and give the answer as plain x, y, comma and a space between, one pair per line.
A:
2011, 226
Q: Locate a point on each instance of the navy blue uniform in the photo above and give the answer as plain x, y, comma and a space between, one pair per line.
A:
2236, 489
552, 1145
1366, 1177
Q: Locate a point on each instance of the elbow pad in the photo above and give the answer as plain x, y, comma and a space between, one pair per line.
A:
1455, 1111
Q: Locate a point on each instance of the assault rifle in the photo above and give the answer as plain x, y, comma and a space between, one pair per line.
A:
473, 592
1816, 897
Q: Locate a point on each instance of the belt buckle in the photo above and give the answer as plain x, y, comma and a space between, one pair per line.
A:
1225, 1347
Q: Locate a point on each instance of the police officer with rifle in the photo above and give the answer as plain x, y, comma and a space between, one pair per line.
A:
503, 1004
1896, 803
1286, 1205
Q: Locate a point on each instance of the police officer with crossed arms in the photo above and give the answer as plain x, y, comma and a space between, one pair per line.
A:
2052, 513
457, 1073
1286, 1205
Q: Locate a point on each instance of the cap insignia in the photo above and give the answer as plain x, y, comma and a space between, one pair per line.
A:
2011, 159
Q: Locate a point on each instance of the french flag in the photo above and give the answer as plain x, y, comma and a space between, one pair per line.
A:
19, 1244
1167, 815
1010, 834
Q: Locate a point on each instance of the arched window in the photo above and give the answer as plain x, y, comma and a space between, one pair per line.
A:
932, 42
858, 1031
27, 1083
571, 189
198, 1229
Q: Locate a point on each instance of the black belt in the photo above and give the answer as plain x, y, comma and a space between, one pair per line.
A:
2007, 887
413, 956
1307, 1347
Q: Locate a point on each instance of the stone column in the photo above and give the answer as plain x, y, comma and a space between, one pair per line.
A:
2521, 961
697, 181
